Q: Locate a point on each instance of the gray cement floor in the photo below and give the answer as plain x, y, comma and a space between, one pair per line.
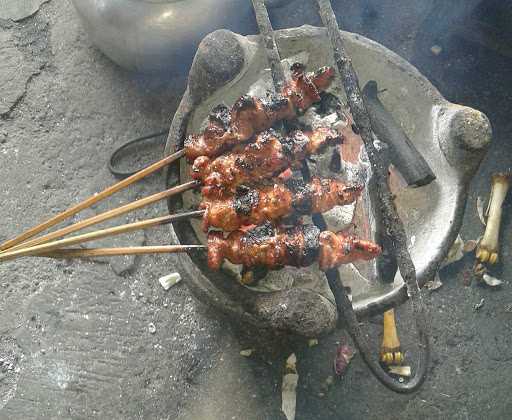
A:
75, 341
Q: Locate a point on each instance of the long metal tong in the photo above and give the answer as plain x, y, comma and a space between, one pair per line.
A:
391, 220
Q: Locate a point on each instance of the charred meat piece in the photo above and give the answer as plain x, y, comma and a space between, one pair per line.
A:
252, 206
248, 116
299, 246
269, 155
340, 248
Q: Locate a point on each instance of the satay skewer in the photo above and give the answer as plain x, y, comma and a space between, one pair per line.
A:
248, 116
249, 206
265, 158
110, 214
114, 252
71, 211
264, 245
48, 247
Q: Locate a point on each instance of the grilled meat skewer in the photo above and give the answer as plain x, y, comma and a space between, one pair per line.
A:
225, 129
261, 246
249, 115
251, 206
269, 155
299, 246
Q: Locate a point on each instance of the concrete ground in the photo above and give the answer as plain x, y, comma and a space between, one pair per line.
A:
76, 340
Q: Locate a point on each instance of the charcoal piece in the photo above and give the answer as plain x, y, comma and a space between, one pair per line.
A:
404, 156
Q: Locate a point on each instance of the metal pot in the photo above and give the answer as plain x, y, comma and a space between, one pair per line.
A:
160, 35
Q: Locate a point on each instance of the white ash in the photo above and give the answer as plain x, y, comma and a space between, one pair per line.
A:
339, 217
264, 85
312, 119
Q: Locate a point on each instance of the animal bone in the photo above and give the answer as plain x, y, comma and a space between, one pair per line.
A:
390, 352
487, 250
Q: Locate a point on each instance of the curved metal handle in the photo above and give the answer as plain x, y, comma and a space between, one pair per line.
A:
347, 313
115, 155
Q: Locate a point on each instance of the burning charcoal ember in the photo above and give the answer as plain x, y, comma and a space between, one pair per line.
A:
390, 352
344, 354
487, 250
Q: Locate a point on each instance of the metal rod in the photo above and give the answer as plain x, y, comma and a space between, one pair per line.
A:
92, 200
99, 234
108, 215
113, 252
267, 33
391, 219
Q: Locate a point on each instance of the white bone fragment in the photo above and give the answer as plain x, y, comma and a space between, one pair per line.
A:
487, 251
491, 281
246, 352
400, 370
479, 305
289, 388
480, 209
312, 342
455, 253
170, 280
434, 284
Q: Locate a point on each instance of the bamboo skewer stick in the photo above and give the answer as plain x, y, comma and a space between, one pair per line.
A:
113, 252
87, 237
107, 215
91, 200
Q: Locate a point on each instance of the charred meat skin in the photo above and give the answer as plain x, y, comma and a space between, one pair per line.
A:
299, 246
339, 248
251, 206
249, 115
269, 155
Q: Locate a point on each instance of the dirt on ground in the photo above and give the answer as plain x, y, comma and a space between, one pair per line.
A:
102, 339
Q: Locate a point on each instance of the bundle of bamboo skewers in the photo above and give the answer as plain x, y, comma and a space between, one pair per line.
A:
52, 245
